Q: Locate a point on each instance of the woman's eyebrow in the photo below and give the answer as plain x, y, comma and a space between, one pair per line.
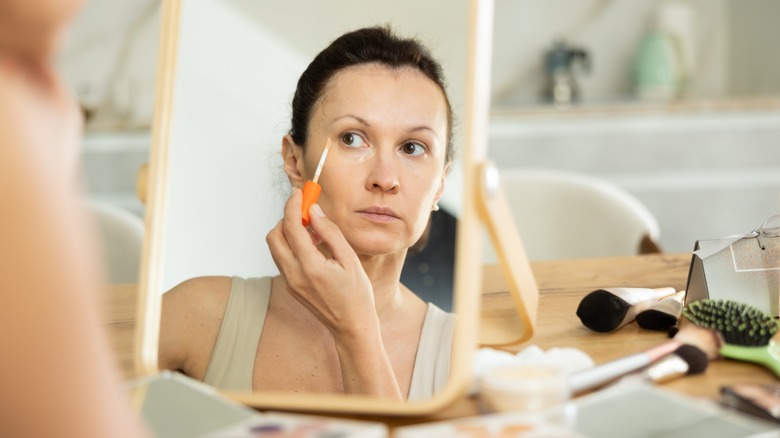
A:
352, 116
366, 124
425, 128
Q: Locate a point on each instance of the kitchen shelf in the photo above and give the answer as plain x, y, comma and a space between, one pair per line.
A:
636, 107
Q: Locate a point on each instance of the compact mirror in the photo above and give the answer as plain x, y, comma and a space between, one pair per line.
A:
227, 74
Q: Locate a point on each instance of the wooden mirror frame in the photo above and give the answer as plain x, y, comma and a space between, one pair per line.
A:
482, 203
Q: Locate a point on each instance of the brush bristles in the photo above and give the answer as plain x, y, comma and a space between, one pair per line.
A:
706, 339
738, 323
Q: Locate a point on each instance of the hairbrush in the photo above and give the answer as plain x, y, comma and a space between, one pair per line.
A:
746, 331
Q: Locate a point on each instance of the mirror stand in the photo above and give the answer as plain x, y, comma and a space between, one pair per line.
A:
501, 326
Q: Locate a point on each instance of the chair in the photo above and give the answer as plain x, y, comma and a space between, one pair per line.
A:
564, 215
121, 237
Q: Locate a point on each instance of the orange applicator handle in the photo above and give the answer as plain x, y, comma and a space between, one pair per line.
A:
311, 192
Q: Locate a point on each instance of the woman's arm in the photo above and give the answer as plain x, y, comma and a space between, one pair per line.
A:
58, 377
365, 366
190, 323
338, 292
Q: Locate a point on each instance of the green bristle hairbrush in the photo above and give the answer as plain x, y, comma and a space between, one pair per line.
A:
747, 332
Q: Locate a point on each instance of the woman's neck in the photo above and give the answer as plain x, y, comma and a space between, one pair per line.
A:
384, 272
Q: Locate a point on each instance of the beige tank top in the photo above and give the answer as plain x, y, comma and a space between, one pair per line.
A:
232, 361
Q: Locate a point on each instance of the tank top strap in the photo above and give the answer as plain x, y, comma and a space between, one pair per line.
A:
432, 364
233, 359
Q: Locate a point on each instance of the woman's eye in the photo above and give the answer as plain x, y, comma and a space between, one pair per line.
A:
352, 140
412, 148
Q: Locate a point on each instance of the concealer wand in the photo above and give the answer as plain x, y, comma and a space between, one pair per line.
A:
312, 190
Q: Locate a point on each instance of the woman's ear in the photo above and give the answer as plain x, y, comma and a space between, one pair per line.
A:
292, 154
440, 192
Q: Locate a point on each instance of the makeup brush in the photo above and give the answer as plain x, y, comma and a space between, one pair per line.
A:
605, 310
312, 190
685, 360
602, 374
705, 340
746, 331
663, 314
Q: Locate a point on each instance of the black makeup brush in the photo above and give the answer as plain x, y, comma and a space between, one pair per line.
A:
605, 310
663, 314
747, 332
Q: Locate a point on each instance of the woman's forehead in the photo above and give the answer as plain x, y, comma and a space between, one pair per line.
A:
375, 92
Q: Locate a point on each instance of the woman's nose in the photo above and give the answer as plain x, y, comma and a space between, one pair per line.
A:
383, 174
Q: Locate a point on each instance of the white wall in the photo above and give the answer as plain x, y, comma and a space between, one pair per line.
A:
754, 61
224, 164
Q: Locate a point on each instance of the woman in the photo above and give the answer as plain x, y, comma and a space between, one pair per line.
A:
337, 319
58, 376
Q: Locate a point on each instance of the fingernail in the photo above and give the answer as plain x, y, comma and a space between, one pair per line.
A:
317, 210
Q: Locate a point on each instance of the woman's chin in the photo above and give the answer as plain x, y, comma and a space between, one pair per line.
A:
378, 248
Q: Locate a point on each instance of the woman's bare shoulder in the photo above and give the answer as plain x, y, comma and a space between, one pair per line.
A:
192, 314
200, 297
208, 288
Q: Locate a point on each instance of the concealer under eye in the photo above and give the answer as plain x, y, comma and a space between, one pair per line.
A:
355, 147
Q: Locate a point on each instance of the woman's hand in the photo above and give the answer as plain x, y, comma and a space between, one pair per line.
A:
335, 289
338, 292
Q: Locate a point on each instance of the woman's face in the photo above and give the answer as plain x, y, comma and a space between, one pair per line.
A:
385, 168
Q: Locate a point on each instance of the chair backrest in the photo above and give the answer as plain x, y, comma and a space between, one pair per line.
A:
563, 215
121, 237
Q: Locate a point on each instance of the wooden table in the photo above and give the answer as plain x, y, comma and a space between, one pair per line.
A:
562, 284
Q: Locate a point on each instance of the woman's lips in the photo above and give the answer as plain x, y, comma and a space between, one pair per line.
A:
379, 214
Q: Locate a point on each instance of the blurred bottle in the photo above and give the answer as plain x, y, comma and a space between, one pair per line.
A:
664, 64
560, 62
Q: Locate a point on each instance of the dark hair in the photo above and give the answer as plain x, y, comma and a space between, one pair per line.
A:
363, 46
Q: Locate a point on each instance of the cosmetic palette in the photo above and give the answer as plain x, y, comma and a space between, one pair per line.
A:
635, 410
174, 406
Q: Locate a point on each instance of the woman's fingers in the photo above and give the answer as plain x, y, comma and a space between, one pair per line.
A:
332, 236
298, 238
293, 248
333, 287
281, 253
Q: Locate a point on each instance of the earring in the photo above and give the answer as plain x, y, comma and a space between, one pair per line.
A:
435, 207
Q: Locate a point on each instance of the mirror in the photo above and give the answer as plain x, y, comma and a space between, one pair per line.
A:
227, 73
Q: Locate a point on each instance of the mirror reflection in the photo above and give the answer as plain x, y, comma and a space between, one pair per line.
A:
360, 104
